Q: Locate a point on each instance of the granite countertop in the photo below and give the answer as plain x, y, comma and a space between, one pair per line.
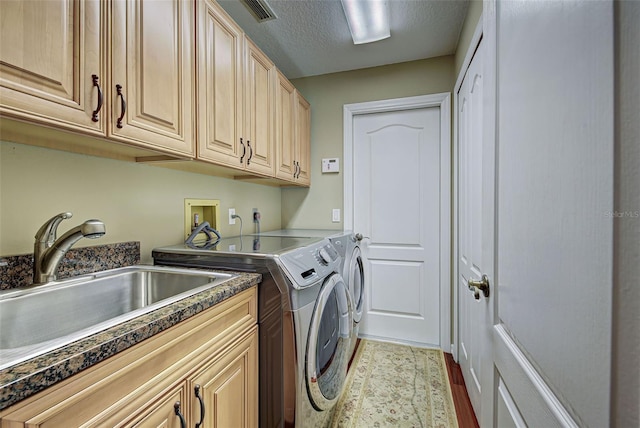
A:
29, 377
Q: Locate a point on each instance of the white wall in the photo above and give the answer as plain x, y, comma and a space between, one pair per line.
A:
137, 202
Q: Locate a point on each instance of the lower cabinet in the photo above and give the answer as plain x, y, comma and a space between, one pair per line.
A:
229, 383
202, 372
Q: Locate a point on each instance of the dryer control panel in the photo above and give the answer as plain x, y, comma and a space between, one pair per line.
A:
305, 266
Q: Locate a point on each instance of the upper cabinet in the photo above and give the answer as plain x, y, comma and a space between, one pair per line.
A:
303, 140
176, 77
58, 70
285, 129
152, 84
220, 78
52, 67
293, 133
235, 95
259, 110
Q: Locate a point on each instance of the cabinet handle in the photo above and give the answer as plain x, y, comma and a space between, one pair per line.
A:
176, 408
196, 390
94, 115
123, 106
250, 152
296, 173
244, 150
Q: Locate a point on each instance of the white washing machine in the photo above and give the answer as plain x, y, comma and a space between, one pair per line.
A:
347, 244
305, 319
323, 318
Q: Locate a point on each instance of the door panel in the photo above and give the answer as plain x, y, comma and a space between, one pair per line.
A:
153, 70
396, 205
228, 387
48, 54
555, 139
474, 320
303, 140
259, 114
220, 77
285, 129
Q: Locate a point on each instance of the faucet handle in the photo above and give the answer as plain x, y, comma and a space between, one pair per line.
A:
47, 233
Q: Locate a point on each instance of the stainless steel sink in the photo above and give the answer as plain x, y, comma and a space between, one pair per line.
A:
42, 318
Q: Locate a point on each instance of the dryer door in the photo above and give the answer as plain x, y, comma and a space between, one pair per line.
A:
328, 344
356, 282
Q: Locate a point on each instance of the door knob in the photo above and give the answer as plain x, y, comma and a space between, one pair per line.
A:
477, 286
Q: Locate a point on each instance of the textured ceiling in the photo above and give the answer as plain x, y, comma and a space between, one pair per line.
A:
311, 37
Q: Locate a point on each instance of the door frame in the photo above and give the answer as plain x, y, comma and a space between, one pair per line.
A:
473, 45
443, 102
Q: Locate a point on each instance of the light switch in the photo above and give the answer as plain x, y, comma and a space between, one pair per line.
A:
331, 165
335, 215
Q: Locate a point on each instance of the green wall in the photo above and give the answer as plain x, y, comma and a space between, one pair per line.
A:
137, 202
311, 208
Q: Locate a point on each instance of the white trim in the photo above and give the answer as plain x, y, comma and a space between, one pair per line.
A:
443, 102
473, 45
537, 403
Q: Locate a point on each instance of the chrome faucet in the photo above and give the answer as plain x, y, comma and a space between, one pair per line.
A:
49, 251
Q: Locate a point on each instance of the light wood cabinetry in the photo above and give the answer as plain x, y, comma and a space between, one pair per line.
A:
220, 80
229, 382
259, 112
303, 140
216, 349
57, 69
164, 80
152, 84
49, 51
285, 128
293, 128
235, 95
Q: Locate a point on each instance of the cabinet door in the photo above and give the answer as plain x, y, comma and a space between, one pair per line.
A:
229, 387
259, 114
303, 140
49, 51
152, 85
220, 77
285, 129
161, 411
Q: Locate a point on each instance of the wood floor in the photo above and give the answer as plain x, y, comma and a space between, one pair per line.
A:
464, 411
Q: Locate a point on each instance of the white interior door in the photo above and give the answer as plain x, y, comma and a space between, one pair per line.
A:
555, 146
398, 201
475, 256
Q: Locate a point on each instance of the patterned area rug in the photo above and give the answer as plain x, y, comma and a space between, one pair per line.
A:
396, 386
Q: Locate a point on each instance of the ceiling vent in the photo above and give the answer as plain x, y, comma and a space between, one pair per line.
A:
260, 10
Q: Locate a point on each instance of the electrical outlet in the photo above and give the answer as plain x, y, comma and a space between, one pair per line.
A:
232, 212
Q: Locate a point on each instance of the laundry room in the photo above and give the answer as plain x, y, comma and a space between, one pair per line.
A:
355, 209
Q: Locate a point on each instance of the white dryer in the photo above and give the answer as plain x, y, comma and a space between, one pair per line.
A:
353, 273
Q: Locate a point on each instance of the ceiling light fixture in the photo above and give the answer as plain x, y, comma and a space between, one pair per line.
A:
368, 20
